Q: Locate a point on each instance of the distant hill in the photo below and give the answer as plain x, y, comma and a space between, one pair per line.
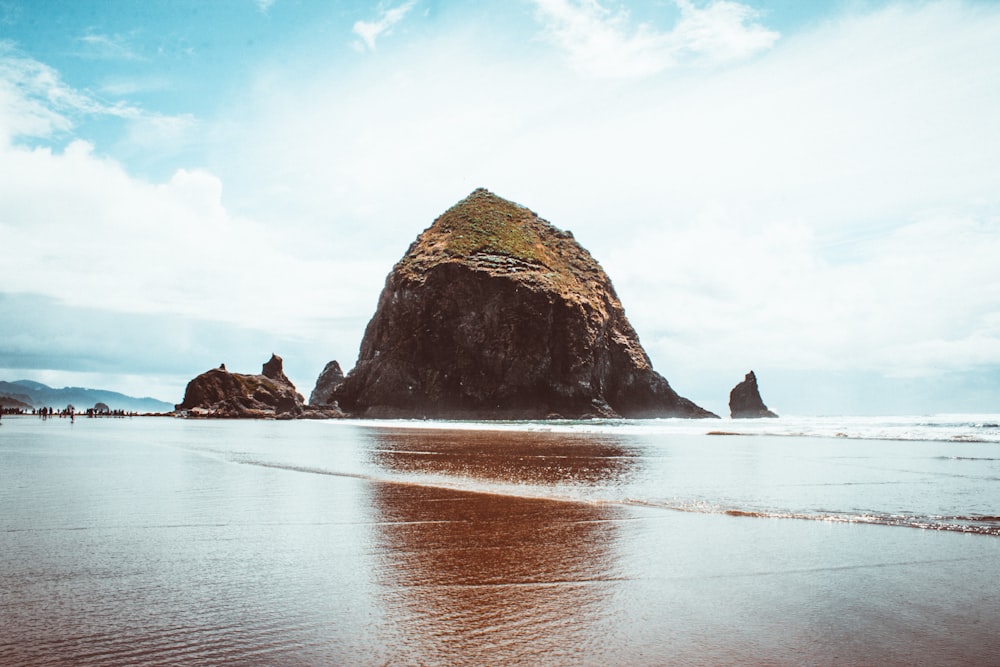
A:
17, 402
39, 395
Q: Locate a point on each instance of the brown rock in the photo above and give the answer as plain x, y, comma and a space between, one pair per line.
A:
745, 401
219, 393
493, 313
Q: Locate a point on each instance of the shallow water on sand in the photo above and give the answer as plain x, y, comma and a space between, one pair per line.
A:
159, 541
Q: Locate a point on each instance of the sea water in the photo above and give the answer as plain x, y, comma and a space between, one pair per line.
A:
788, 541
937, 473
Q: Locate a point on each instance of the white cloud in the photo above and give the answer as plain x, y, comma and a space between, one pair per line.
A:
370, 31
36, 103
78, 227
769, 211
721, 32
602, 42
87, 232
108, 47
125, 86
919, 300
32, 98
151, 132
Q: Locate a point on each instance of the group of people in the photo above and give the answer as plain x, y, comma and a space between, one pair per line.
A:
45, 413
94, 412
69, 411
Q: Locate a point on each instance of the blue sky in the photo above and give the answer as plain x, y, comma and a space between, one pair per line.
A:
807, 189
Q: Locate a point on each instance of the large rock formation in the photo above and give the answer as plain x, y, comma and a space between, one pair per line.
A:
322, 393
219, 393
493, 313
745, 401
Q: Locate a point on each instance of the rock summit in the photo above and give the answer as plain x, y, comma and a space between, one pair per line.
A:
493, 313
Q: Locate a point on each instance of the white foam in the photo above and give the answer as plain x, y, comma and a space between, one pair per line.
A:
945, 427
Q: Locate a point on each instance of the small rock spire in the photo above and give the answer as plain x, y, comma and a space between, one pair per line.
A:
745, 401
274, 369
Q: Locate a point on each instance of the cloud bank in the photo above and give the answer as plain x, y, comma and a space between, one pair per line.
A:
371, 31
604, 42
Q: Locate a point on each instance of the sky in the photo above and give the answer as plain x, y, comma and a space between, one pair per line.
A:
805, 189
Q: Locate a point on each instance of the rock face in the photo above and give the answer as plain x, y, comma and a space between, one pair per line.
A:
322, 393
745, 401
493, 313
219, 393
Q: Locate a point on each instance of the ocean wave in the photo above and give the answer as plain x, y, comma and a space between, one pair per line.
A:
971, 524
979, 524
976, 428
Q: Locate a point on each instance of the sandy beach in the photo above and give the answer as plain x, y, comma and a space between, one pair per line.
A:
473, 579
169, 542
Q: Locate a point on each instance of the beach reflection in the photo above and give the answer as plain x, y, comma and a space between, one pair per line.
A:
482, 578
523, 458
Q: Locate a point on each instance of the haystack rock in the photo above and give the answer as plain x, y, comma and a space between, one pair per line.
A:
745, 401
219, 393
322, 393
493, 313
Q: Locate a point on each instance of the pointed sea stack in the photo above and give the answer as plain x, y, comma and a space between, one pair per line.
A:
493, 313
745, 401
322, 393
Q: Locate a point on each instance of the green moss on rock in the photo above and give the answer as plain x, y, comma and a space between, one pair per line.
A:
487, 233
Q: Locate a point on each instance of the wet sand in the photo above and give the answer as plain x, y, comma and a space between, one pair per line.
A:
125, 552
480, 580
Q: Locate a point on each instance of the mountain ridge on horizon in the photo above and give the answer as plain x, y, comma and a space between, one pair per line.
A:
42, 395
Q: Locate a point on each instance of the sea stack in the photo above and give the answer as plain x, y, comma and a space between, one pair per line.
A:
745, 401
322, 393
219, 393
493, 313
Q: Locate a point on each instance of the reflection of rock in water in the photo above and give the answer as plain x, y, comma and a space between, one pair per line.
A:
470, 578
476, 578
504, 456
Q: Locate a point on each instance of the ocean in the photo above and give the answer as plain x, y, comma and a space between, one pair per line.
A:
783, 542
